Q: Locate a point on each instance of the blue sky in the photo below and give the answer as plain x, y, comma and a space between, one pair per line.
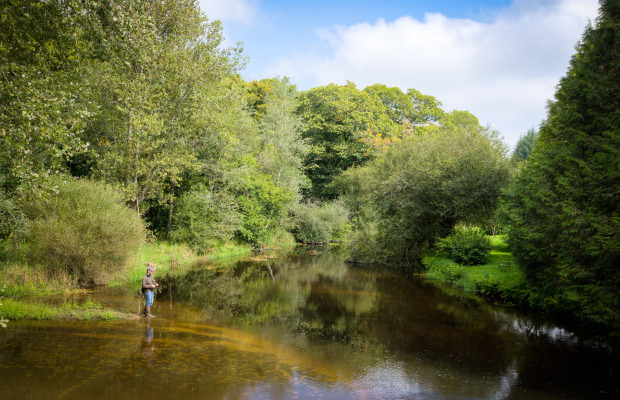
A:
498, 59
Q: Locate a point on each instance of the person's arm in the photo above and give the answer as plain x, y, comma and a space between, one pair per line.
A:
152, 283
148, 282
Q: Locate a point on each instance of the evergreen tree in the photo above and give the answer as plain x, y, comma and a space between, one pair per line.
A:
563, 209
525, 145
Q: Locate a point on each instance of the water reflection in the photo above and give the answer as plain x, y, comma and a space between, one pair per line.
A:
302, 328
148, 347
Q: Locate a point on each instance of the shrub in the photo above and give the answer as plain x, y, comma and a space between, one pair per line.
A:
263, 206
11, 226
466, 245
83, 230
320, 223
202, 216
11, 219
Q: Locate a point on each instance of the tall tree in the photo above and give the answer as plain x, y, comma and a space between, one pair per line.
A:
424, 185
282, 147
411, 109
337, 118
525, 145
153, 92
563, 209
43, 48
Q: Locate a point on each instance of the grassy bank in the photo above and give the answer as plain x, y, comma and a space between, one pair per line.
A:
15, 309
498, 280
173, 258
21, 284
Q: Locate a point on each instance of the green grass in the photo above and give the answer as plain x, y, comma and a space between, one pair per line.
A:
173, 258
19, 279
499, 279
14, 309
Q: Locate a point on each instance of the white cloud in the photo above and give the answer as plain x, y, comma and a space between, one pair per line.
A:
503, 71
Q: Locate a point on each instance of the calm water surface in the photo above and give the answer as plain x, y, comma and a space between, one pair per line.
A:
304, 327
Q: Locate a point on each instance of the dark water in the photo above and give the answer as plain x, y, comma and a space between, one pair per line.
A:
304, 327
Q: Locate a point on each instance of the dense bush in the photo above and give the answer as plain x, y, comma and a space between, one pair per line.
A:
263, 206
83, 230
202, 216
466, 245
315, 223
11, 219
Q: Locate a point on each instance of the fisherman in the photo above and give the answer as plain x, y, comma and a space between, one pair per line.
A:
148, 288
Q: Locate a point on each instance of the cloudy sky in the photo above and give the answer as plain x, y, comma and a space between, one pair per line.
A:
498, 59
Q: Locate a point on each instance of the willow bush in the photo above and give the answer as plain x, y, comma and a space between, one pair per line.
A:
82, 230
314, 223
203, 217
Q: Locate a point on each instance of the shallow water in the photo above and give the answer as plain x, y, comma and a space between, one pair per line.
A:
304, 327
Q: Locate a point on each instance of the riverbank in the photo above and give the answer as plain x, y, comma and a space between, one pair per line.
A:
22, 285
70, 308
499, 280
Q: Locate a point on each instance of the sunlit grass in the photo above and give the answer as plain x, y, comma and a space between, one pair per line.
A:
499, 278
15, 309
19, 279
171, 258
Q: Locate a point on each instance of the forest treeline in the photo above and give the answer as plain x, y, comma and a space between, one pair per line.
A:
121, 120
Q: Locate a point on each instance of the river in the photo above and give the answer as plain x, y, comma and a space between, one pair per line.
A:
306, 326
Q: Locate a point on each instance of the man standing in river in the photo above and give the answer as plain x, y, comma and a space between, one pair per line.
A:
148, 288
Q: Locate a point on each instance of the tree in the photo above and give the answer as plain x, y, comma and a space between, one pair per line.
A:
336, 119
424, 185
282, 147
563, 209
260, 91
155, 90
43, 46
411, 109
525, 145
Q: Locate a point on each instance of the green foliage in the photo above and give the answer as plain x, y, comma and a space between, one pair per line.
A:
409, 110
426, 184
70, 308
497, 279
263, 205
42, 48
11, 218
282, 149
13, 291
525, 145
563, 209
323, 223
467, 245
336, 119
202, 216
160, 81
83, 231
259, 92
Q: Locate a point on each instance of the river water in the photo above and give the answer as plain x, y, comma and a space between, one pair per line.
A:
307, 326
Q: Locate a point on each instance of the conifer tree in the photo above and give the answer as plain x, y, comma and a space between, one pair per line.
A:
563, 209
